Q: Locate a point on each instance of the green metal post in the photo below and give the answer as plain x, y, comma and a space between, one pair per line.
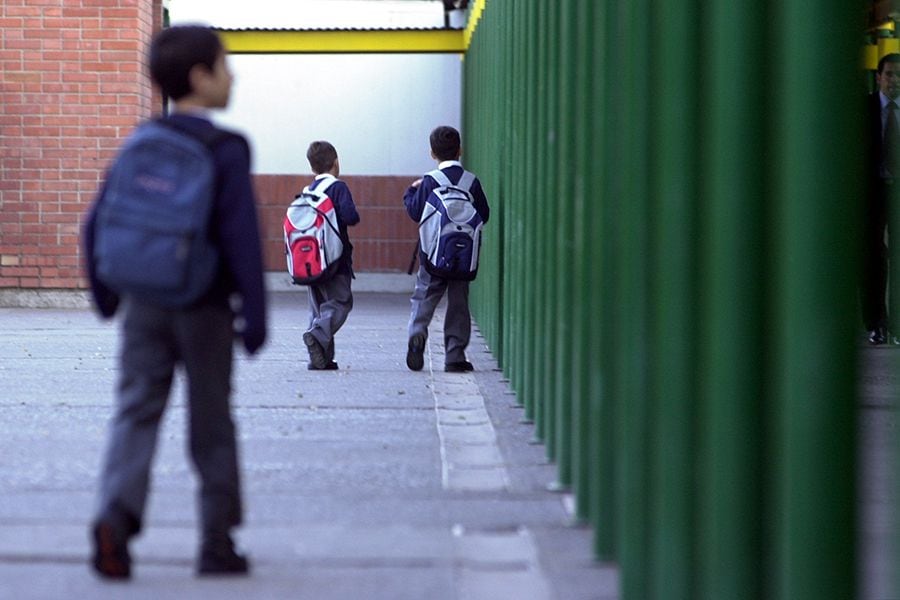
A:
585, 306
532, 277
734, 244
565, 248
512, 312
632, 274
498, 149
819, 186
542, 405
521, 93
480, 153
604, 146
675, 36
524, 125
505, 154
549, 307
470, 125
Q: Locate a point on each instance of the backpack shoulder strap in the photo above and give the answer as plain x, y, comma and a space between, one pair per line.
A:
440, 177
320, 189
326, 182
465, 182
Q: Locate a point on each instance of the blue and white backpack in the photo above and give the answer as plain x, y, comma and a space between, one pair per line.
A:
450, 229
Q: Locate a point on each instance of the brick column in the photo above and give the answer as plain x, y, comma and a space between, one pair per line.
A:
73, 86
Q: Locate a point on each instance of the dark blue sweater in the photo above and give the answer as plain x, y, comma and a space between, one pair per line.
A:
347, 215
235, 229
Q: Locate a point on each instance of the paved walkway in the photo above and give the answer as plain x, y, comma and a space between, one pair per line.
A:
370, 482
878, 467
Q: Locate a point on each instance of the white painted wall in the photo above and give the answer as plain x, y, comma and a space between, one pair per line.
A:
309, 14
377, 109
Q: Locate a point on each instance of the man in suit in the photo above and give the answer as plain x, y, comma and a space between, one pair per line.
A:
883, 173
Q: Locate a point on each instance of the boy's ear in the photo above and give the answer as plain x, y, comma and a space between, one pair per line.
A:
197, 76
194, 76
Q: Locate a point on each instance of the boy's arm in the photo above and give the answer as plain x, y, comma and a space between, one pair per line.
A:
238, 232
479, 200
105, 300
343, 203
415, 196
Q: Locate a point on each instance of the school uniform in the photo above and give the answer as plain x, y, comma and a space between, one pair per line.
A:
199, 337
429, 288
331, 302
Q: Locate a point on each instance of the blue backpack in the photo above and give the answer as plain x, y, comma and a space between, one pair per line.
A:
152, 235
450, 229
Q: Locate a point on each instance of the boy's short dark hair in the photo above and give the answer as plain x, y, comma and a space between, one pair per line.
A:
321, 156
445, 143
174, 51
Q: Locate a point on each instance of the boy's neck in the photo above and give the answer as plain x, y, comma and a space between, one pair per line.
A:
190, 105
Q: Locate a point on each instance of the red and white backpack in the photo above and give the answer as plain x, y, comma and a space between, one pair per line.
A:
312, 240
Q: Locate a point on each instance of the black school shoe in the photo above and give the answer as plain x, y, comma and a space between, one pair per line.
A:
111, 558
217, 557
878, 336
415, 353
316, 353
329, 366
462, 366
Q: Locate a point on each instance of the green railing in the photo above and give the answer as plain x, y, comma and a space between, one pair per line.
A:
669, 277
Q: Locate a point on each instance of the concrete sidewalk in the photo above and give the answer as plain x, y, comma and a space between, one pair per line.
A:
368, 482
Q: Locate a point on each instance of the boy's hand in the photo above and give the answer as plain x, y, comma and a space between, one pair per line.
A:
254, 338
416, 183
252, 333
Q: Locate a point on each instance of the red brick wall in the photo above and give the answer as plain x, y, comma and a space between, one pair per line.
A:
72, 86
382, 242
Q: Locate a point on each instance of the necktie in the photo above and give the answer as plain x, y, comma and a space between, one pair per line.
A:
892, 140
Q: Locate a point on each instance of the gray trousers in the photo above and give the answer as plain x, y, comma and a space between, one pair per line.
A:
329, 305
457, 321
154, 341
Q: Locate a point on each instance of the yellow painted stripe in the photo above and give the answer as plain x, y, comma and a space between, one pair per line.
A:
474, 16
870, 57
298, 42
888, 46
292, 41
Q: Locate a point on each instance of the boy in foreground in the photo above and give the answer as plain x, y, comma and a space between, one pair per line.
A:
188, 63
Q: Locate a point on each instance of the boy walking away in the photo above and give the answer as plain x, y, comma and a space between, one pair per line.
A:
173, 239
320, 255
450, 207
